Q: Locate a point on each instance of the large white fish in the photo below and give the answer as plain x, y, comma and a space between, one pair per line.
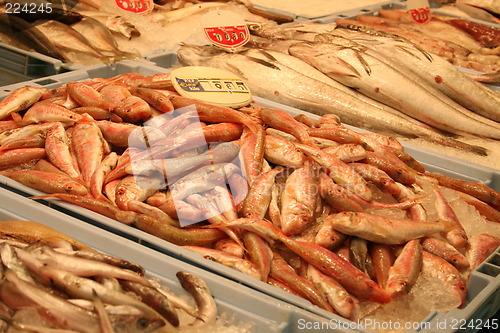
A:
434, 70
70, 41
491, 5
115, 23
101, 38
361, 69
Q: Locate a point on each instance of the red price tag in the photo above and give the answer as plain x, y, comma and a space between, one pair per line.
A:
135, 6
228, 37
421, 15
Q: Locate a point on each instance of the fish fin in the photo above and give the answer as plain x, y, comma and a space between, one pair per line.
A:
264, 63
106, 60
425, 53
341, 68
478, 150
237, 71
449, 225
126, 55
263, 52
456, 144
269, 56
86, 118
18, 119
363, 62
411, 51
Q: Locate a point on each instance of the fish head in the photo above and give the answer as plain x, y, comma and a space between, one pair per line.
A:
306, 52
138, 324
334, 38
195, 55
324, 58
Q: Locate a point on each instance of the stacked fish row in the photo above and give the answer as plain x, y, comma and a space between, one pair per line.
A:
93, 32
461, 42
70, 36
296, 203
51, 281
166, 12
368, 78
487, 11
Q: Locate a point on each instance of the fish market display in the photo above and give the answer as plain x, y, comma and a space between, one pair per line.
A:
346, 220
53, 283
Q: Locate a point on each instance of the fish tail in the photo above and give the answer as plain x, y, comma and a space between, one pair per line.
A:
122, 55
86, 118
132, 55
107, 60
18, 119
452, 143
43, 196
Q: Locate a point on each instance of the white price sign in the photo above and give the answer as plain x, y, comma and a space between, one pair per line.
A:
211, 85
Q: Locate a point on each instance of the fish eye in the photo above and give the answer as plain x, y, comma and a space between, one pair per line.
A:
142, 323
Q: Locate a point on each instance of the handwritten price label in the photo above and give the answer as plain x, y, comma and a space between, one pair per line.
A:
421, 15
228, 37
135, 6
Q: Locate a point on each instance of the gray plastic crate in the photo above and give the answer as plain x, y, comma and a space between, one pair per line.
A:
483, 287
18, 65
241, 305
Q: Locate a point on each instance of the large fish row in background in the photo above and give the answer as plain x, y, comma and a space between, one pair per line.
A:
96, 31
384, 83
464, 43
63, 34
484, 10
